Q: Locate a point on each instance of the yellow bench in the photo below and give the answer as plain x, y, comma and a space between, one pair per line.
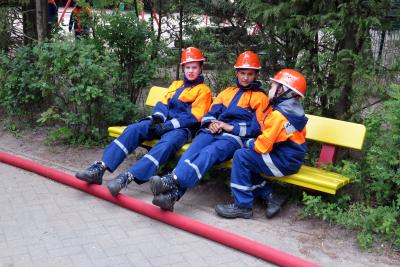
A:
332, 133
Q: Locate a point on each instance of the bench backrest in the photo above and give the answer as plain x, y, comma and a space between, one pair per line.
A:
155, 94
321, 129
335, 132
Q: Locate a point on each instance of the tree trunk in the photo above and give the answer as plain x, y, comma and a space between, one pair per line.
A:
41, 19
381, 45
180, 37
4, 29
342, 106
29, 22
150, 3
159, 20
136, 8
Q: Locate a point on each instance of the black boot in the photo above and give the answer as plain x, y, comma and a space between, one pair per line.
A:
274, 203
122, 180
93, 174
233, 211
166, 201
163, 184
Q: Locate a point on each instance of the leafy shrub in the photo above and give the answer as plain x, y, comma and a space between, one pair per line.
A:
377, 177
136, 49
381, 167
382, 221
72, 85
21, 86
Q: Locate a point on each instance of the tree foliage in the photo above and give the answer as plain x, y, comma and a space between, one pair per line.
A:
73, 85
133, 43
330, 42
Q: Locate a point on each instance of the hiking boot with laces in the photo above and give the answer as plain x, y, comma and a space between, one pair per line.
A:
166, 201
274, 203
93, 174
232, 211
163, 184
122, 180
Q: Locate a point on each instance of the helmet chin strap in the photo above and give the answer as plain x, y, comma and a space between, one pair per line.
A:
276, 97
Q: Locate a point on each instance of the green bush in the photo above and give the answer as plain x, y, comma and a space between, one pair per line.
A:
381, 165
136, 49
21, 86
376, 177
369, 222
70, 85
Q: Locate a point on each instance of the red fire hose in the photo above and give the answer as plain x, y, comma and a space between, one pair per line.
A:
224, 237
63, 13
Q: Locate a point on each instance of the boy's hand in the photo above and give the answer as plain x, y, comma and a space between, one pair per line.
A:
155, 120
214, 127
225, 126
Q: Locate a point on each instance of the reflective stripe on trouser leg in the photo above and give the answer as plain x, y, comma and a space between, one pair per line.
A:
202, 139
169, 143
189, 171
245, 181
128, 141
263, 191
271, 165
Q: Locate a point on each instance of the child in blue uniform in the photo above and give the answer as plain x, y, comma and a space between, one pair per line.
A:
278, 151
235, 116
173, 119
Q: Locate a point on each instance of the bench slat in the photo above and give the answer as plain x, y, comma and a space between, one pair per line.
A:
310, 177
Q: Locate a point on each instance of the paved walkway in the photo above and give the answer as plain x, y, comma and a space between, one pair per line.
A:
44, 223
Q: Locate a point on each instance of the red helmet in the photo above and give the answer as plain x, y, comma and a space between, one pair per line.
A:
191, 54
248, 60
292, 79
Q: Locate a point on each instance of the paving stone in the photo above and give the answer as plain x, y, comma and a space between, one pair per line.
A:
81, 260
167, 260
44, 223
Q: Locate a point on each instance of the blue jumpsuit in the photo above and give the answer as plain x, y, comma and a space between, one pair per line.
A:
181, 109
238, 106
278, 151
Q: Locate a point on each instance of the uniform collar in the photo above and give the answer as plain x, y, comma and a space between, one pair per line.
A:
254, 86
188, 83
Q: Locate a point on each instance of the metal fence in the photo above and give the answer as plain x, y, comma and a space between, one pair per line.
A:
385, 46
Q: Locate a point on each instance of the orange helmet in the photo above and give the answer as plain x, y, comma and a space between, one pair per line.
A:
292, 79
191, 54
248, 60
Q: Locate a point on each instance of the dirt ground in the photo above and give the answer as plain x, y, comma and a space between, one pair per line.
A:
316, 240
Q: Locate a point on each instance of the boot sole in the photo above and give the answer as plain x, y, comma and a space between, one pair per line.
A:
161, 206
87, 179
155, 187
271, 215
112, 192
248, 215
